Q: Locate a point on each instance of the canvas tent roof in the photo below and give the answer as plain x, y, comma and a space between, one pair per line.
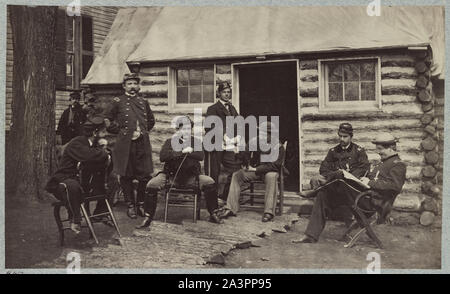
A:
126, 33
195, 33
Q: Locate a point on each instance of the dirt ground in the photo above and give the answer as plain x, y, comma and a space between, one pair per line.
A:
31, 239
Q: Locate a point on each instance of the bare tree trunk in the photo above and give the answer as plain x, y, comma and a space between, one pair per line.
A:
30, 145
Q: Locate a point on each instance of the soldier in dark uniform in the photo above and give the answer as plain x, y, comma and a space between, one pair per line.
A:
345, 156
71, 121
93, 155
222, 108
90, 107
182, 166
132, 119
386, 179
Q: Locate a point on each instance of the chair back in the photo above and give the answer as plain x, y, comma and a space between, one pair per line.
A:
283, 158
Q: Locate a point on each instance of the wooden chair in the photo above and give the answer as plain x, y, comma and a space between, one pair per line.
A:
193, 193
86, 215
369, 209
252, 194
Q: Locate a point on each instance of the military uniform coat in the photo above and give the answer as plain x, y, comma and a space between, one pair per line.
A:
388, 176
124, 114
353, 159
70, 131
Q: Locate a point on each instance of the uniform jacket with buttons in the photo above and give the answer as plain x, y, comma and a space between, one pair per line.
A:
388, 176
353, 159
124, 114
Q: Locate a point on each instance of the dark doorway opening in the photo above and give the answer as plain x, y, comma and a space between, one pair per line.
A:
270, 89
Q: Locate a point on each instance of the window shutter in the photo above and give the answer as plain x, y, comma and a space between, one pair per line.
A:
60, 55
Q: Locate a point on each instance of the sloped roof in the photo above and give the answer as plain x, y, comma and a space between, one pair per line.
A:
128, 29
194, 33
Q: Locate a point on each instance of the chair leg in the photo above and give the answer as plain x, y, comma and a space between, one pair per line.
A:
252, 190
281, 193
370, 231
198, 205
352, 226
166, 208
195, 207
57, 214
88, 221
113, 218
355, 238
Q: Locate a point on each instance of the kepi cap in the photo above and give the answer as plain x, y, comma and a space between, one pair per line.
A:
223, 86
346, 128
131, 76
385, 139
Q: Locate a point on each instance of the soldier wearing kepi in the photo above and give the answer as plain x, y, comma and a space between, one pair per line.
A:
385, 180
71, 122
221, 109
132, 119
345, 156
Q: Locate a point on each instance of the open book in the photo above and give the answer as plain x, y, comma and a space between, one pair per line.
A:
349, 176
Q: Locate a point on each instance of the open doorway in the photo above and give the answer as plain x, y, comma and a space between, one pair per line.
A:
270, 89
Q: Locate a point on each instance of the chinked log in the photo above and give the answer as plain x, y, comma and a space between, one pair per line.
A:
432, 157
428, 144
429, 171
424, 95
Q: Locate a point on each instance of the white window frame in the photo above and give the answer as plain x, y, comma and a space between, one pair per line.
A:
175, 107
349, 106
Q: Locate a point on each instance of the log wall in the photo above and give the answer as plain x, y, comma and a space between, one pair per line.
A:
403, 112
102, 18
404, 101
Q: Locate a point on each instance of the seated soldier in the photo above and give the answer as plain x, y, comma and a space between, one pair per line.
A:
386, 179
92, 155
346, 156
183, 166
255, 169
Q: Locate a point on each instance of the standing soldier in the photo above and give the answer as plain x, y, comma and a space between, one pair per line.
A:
221, 109
71, 121
132, 119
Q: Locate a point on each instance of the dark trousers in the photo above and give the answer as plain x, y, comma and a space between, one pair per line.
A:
213, 161
72, 197
135, 170
335, 195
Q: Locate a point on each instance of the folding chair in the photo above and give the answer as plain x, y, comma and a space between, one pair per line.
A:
90, 219
192, 191
375, 206
250, 190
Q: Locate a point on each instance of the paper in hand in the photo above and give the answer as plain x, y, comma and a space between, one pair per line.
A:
349, 176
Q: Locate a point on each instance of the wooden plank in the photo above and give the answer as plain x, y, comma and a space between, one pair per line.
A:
332, 126
392, 99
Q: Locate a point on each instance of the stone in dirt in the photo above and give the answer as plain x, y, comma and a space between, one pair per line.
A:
217, 259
